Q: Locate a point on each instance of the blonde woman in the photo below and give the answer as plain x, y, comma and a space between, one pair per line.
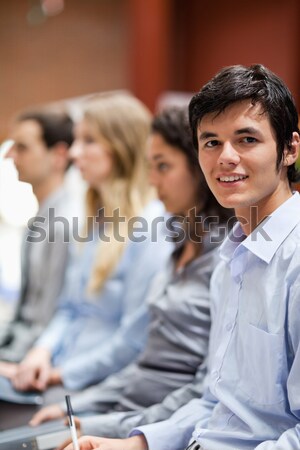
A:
102, 316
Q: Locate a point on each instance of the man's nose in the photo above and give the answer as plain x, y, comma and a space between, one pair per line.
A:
229, 155
7, 149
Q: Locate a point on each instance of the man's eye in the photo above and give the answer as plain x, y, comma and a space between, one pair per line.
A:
88, 140
249, 140
211, 144
20, 148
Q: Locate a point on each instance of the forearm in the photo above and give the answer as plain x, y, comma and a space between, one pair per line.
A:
136, 443
102, 397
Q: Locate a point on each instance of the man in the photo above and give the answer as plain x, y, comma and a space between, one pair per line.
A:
40, 153
245, 126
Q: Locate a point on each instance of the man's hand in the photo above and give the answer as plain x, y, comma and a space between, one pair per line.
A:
54, 376
51, 412
8, 369
34, 371
96, 443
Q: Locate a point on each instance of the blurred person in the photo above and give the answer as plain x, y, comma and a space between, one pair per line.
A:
40, 154
245, 124
101, 308
175, 352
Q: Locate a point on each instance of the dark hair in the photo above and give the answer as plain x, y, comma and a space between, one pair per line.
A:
173, 125
258, 84
56, 126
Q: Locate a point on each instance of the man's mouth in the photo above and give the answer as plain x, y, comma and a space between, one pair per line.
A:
232, 178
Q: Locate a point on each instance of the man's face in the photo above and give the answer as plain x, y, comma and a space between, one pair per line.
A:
237, 153
32, 159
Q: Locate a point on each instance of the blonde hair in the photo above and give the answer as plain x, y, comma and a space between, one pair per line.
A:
124, 122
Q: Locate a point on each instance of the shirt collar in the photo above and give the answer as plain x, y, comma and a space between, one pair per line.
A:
233, 240
268, 236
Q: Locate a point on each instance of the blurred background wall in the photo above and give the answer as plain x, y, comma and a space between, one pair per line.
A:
147, 46
51, 50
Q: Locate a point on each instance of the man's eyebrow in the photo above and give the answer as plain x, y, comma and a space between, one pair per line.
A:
206, 135
247, 130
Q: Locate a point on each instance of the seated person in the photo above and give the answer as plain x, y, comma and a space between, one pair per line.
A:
40, 152
102, 303
245, 124
179, 306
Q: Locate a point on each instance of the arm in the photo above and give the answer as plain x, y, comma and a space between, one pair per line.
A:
53, 260
34, 371
142, 261
96, 399
169, 405
91, 442
119, 424
110, 357
70, 297
42, 279
175, 433
49, 285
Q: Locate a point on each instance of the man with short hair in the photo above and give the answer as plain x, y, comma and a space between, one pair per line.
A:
40, 153
245, 126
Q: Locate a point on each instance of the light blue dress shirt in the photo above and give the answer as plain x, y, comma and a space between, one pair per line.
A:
91, 337
252, 399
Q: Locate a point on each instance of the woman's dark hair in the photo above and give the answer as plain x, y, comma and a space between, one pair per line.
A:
172, 125
259, 85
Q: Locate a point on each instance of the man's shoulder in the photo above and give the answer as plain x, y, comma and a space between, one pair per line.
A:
286, 260
292, 240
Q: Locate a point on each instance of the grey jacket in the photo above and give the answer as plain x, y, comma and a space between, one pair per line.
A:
176, 347
42, 274
119, 424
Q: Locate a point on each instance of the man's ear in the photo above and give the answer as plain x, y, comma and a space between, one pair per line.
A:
61, 154
291, 154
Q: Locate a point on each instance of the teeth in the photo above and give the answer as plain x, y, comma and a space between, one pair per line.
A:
232, 178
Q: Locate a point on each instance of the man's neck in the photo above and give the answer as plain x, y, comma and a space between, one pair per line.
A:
48, 187
251, 217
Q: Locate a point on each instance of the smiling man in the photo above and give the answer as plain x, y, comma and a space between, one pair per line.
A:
245, 126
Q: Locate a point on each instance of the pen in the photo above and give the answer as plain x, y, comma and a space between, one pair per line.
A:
72, 423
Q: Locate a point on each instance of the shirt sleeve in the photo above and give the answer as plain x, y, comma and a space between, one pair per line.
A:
38, 303
103, 396
119, 424
165, 409
143, 260
54, 333
52, 336
110, 357
52, 283
175, 433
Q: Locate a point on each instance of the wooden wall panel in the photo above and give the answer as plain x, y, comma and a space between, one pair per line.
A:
220, 33
82, 50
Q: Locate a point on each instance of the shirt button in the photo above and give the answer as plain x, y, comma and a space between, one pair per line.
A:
215, 374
